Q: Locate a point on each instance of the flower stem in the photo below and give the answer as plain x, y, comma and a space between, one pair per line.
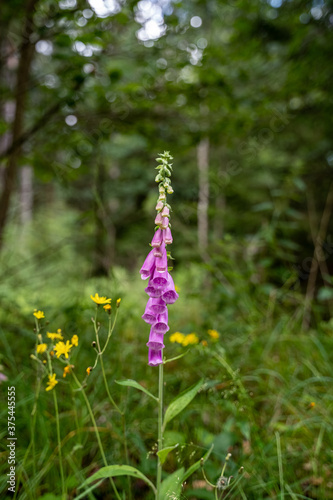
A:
96, 432
160, 429
121, 413
63, 489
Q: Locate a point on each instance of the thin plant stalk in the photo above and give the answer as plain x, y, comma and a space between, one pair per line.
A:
160, 429
63, 488
121, 413
96, 432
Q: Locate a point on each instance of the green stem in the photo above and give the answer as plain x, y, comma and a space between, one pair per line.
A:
123, 421
96, 432
160, 429
107, 387
63, 489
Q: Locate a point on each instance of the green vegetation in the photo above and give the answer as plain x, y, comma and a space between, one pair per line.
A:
240, 93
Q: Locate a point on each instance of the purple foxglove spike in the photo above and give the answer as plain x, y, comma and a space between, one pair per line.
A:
157, 306
159, 205
154, 357
167, 236
148, 266
164, 223
160, 280
157, 239
165, 212
161, 263
155, 339
169, 294
158, 219
161, 326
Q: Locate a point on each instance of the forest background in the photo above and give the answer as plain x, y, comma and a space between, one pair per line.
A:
241, 95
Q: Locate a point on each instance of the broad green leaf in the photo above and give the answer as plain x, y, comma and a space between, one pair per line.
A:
171, 487
178, 404
133, 383
197, 464
165, 452
119, 470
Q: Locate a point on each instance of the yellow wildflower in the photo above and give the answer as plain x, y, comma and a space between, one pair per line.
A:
67, 370
118, 302
52, 382
62, 348
213, 334
177, 337
204, 343
100, 300
107, 308
75, 340
39, 314
41, 348
191, 338
89, 369
55, 336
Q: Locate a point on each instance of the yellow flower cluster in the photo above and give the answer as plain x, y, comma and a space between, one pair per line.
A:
55, 336
185, 340
213, 334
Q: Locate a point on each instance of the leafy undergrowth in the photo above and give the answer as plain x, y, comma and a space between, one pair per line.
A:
267, 397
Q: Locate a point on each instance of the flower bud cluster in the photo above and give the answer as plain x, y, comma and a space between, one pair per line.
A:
161, 288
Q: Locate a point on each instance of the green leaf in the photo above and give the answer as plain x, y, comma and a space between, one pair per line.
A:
178, 404
176, 357
171, 487
165, 452
133, 383
119, 470
197, 464
89, 490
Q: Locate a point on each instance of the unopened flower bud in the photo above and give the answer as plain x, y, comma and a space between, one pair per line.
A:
162, 196
158, 219
168, 236
165, 223
165, 212
159, 205
169, 190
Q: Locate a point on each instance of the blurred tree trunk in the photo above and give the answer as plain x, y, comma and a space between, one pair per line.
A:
101, 257
26, 195
220, 206
203, 201
22, 82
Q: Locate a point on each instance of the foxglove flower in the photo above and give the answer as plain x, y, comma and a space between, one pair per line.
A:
148, 266
161, 288
169, 294
157, 238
